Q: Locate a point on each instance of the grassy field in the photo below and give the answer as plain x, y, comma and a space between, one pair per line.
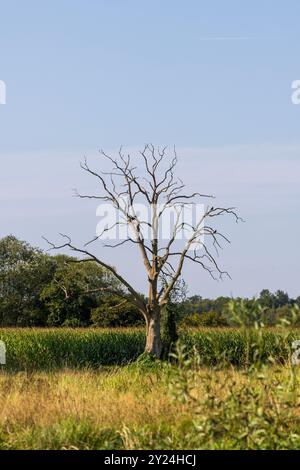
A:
71, 389
130, 408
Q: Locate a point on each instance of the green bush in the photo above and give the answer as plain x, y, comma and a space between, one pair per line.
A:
114, 313
210, 318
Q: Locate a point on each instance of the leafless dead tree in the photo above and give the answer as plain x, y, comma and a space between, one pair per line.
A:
150, 179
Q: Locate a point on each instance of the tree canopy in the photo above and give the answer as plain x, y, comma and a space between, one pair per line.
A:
37, 289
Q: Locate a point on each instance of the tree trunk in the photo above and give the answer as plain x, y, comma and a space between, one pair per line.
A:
153, 338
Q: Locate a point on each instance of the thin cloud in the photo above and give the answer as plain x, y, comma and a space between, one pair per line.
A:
225, 38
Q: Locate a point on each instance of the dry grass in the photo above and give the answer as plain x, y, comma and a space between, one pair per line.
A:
112, 408
108, 399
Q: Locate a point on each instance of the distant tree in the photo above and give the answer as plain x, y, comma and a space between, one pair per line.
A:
73, 292
281, 299
212, 319
266, 299
24, 271
113, 313
219, 305
198, 305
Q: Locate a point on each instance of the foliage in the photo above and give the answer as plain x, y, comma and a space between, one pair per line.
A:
24, 271
112, 312
38, 290
255, 409
169, 334
256, 412
67, 297
198, 305
272, 308
210, 318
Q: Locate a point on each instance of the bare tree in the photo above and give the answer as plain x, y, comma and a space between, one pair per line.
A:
149, 179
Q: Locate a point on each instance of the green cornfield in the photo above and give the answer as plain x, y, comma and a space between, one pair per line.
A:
50, 349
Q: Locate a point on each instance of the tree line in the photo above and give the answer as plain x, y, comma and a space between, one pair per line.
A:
38, 289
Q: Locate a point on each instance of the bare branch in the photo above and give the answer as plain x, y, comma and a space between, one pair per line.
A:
91, 257
150, 178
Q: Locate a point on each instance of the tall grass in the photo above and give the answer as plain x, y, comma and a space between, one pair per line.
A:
50, 349
171, 407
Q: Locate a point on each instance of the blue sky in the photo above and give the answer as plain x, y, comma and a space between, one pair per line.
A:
212, 77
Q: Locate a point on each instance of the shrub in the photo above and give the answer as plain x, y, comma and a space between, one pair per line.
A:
210, 318
114, 313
